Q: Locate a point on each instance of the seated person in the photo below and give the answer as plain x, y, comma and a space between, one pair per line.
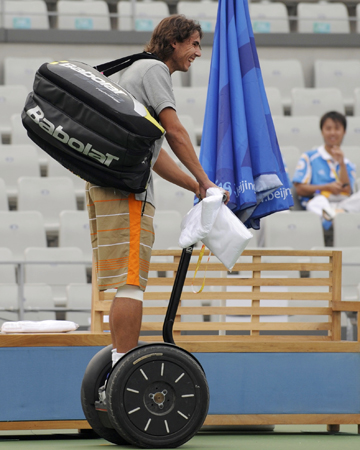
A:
324, 179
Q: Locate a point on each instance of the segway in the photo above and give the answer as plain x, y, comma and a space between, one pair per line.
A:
156, 395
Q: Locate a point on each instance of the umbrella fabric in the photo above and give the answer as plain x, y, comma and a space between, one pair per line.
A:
239, 148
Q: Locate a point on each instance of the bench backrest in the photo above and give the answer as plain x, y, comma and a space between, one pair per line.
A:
280, 294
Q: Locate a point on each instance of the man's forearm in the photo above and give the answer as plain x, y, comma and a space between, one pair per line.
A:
307, 190
182, 147
167, 168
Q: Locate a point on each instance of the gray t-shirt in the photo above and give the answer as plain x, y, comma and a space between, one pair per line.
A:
149, 81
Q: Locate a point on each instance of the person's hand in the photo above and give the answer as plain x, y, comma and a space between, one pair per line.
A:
203, 187
337, 154
335, 187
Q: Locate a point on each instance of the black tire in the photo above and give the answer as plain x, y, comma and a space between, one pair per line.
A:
157, 396
94, 377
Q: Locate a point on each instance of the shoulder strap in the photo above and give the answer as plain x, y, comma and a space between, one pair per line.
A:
112, 67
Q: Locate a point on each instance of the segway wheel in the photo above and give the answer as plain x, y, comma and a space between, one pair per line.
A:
95, 376
157, 396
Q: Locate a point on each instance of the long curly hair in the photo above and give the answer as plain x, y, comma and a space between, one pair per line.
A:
173, 28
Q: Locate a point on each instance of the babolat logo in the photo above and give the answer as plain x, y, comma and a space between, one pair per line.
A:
37, 115
93, 77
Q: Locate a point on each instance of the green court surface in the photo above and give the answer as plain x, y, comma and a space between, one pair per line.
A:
289, 437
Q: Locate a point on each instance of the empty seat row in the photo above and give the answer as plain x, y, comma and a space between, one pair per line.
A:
302, 230
90, 15
280, 78
266, 17
321, 17
23, 229
191, 103
304, 133
39, 303
81, 15
55, 266
19, 160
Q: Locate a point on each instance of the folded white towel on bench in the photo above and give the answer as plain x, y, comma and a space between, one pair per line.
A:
41, 326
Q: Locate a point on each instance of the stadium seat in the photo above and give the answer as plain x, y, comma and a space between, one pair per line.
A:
352, 135
344, 75
9, 302
316, 101
19, 137
55, 169
18, 132
283, 74
50, 196
269, 17
322, 17
147, 15
17, 161
59, 269
291, 156
12, 101
79, 297
38, 302
167, 229
347, 230
21, 70
7, 271
300, 230
21, 229
25, 15
191, 101
4, 203
199, 72
302, 131
75, 232
204, 11
83, 15
274, 99
169, 196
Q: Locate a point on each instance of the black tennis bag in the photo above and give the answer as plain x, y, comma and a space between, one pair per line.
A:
91, 125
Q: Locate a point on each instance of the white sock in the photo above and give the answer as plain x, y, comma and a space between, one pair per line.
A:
115, 356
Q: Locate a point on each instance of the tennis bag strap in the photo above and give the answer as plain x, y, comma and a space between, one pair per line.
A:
115, 66
91, 125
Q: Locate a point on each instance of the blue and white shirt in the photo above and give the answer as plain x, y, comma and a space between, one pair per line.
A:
318, 167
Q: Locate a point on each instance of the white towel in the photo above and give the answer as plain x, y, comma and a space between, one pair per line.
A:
211, 222
41, 326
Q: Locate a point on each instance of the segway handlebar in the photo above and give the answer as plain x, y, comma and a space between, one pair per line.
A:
176, 295
177, 289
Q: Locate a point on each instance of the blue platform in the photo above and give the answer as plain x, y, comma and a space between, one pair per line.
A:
43, 383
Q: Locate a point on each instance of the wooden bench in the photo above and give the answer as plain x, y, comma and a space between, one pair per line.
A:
268, 336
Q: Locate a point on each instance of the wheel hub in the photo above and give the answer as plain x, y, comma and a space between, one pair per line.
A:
159, 398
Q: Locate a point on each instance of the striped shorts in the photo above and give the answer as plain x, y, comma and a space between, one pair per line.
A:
121, 236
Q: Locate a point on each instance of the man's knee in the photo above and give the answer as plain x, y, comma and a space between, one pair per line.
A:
130, 291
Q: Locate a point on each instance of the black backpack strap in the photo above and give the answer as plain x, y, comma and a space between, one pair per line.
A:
112, 67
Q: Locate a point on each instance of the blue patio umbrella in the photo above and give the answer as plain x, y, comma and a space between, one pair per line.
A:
239, 148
